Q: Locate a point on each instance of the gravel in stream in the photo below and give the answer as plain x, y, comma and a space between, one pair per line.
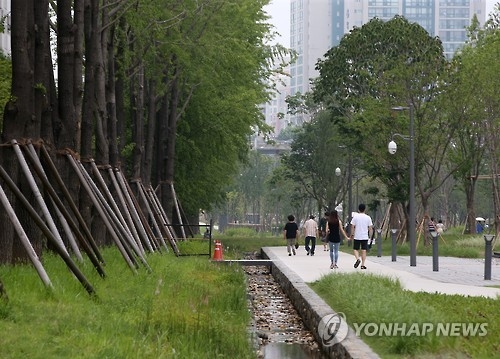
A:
275, 320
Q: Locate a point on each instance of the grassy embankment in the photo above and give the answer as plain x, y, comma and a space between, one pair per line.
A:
189, 308
186, 308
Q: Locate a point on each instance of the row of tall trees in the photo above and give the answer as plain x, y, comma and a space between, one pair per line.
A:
169, 91
382, 66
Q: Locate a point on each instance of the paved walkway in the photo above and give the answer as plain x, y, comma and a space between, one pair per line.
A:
455, 276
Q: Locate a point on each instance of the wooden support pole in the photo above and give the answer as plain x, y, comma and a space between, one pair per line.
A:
47, 232
148, 232
38, 195
89, 241
60, 216
164, 219
128, 225
99, 209
113, 211
125, 208
83, 242
142, 195
24, 240
160, 219
133, 210
174, 196
114, 221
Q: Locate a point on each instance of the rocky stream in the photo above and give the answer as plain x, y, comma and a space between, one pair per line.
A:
277, 329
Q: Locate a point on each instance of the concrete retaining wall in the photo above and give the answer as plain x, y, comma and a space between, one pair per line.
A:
312, 308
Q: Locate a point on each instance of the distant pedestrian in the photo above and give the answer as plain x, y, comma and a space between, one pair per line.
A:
431, 228
479, 227
322, 229
361, 228
334, 228
290, 233
440, 227
310, 234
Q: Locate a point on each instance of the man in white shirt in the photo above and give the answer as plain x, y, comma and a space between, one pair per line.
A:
310, 233
361, 228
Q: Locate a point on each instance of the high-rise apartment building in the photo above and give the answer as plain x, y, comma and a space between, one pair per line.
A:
275, 110
317, 25
5, 36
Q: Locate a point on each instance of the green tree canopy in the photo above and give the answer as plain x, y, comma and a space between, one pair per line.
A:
375, 68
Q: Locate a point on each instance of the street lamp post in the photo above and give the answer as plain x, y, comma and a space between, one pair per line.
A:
392, 147
338, 172
349, 189
435, 251
488, 239
349, 218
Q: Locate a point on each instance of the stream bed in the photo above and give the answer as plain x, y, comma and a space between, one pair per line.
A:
277, 330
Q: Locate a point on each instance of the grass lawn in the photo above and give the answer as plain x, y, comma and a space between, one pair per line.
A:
370, 299
189, 307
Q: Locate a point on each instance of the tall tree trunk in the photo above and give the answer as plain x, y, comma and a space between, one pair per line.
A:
100, 45
79, 38
94, 108
167, 199
470, 190
43, 73
148, 159
19, 122
111, 98
137, 101
121, 139
111, 102
65, 128
161, 141
66, 124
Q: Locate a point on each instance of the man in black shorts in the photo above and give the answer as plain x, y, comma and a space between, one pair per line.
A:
361, 228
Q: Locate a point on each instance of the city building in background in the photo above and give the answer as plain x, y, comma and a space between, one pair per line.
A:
316, 26
275, 111
5, 36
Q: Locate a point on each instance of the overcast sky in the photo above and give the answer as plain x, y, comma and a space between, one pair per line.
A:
279, 10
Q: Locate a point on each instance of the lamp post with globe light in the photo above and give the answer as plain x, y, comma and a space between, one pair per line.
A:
392, 147
349, 189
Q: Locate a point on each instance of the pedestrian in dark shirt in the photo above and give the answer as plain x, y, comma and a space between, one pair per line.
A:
334, 229
290, 233
322, 230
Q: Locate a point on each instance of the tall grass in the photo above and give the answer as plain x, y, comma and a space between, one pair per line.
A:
372, 299
189, 307
186, 308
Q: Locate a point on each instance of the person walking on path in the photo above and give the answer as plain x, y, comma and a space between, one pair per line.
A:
291, 232
440, 227
334, 228
310, 233
361, 227
322, 229
431, 227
